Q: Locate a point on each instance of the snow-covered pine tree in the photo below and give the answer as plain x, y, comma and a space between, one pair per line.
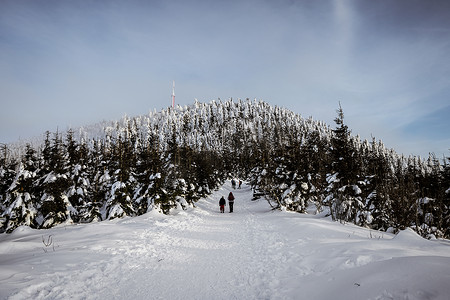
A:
314, 163
55, 207
20, 195
346, 200
79, 190
118, 202
444, 217
378, 175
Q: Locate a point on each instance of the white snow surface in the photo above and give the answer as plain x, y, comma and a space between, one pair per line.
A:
253, 253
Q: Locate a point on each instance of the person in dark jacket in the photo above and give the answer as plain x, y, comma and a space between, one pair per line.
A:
222, 203
233, 183
231, 201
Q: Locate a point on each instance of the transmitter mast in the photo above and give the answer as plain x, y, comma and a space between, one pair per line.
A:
173, 94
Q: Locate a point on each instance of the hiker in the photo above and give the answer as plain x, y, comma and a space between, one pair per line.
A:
233, 183
231, 201
222, 203
240, 183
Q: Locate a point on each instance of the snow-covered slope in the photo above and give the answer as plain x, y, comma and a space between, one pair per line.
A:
177, 156
253, 253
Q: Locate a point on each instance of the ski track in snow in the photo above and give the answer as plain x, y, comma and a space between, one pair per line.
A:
253, 253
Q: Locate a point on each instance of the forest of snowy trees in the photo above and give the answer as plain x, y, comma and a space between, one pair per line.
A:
169, 159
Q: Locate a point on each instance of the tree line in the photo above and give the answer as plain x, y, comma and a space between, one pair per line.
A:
170, 159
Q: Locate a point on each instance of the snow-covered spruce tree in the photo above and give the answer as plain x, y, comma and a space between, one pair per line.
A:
208, 172
345, 200
184, 185
172, 185
149, 166
399, 194
79, 190
123, 182
282, 188
269, 183
444, 220
312, 160
413, 179
55, 207
441, 206
186, 163
263, 174
98, 184
244, 141
21, 196
379, 175
431, 195
7, 176
290, 177
405, 194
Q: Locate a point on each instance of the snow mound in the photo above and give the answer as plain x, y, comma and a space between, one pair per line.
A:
409, 236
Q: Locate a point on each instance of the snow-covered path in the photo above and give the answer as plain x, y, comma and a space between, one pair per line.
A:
253, 253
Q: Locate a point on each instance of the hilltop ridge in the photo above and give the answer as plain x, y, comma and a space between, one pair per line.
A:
172, 158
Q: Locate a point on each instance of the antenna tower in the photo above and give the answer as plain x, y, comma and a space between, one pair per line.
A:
173, 94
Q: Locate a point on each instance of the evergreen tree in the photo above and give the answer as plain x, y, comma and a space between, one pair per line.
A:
97, 185
78, 191
346, 200
119, 198
55, 206
379, 180
20, 200
7, 176
313, 162
444, 218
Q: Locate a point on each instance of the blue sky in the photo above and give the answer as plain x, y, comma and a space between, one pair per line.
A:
72, 63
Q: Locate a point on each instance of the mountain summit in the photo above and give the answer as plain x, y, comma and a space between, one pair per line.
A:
169, 159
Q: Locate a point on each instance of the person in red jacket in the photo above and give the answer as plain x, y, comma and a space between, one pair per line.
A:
231, 201
222, 203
